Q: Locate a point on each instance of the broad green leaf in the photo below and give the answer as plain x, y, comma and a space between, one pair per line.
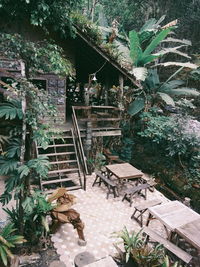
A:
23, 171
11, 110
146, 59
14, 148
167, 99
7, 165
135, 49
136, 106
183, 91
156, 41
171, 85
28, 205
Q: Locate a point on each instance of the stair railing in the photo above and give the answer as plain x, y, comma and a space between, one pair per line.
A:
79, 144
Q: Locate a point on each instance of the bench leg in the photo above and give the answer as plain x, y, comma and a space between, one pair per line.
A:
114, 192
108, 186
132, 216
95, 181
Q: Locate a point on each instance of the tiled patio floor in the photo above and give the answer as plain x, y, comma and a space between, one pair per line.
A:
102, 217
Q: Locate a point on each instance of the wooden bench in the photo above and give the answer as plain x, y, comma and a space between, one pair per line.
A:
112, 187
129, 193
149, 181
178, 252
141, 208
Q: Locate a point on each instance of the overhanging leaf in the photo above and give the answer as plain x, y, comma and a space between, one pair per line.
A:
171, 85
155, 42
167, 99
136, 106
181, 64
184, 91
146, 59
173, 50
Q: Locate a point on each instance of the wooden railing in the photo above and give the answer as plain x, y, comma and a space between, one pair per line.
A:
98, 116
81, 154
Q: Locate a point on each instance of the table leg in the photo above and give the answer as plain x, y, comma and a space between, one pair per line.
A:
150, 217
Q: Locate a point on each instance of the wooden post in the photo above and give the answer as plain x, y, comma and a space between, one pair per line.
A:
121, 86
106, 90
88, 141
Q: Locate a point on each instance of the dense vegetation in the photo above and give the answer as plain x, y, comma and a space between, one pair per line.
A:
161, 116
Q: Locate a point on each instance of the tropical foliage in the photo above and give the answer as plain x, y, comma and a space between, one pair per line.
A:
8, 240
35, 210
155, 93
136, 248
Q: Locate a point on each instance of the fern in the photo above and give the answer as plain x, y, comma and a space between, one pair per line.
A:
11, 110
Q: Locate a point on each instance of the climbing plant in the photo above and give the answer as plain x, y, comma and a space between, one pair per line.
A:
47, 14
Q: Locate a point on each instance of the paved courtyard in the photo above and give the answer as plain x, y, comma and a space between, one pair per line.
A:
102, 217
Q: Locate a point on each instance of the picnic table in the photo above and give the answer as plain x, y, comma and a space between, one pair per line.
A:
124, 171
191, 233
176, 217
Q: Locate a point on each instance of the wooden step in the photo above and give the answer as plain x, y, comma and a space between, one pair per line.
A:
63, 161
58, 154
57, 145
56, 181
62, 171
75, 187
61, 137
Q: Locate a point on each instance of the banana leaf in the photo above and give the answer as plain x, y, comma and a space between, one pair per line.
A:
136, 106
167, 99
184, 91
135, 49
156, 41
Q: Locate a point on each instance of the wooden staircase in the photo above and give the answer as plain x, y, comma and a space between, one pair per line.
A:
65, 166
